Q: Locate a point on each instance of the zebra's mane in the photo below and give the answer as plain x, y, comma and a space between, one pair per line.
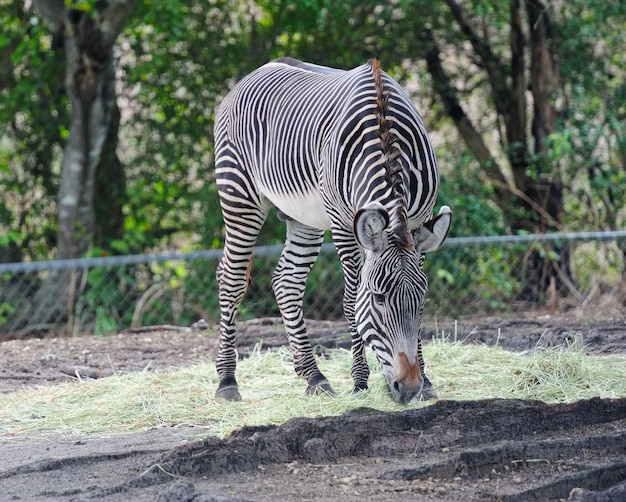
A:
391, 153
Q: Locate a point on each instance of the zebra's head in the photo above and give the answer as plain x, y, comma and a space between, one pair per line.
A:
391, 293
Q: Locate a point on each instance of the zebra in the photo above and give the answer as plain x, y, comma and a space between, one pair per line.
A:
337, 150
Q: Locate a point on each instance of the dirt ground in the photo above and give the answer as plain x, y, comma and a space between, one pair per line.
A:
508, 450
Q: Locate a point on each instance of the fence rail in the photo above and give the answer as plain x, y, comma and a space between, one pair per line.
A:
483, 275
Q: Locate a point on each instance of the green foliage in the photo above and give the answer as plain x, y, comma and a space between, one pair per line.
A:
471, 199
472, 280
101, 306
184, 57
346, 34
158, 293
590, 144
6, 309
176, 60
32, 116
82, 5
596, 266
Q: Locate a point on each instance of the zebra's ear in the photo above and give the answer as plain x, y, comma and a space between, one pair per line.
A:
369, 226
430, 236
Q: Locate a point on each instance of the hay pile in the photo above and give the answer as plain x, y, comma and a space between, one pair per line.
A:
273, 394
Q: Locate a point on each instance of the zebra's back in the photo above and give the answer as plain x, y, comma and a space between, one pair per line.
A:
276, 122
295, 126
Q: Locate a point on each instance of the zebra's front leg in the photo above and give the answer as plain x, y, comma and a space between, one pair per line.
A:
428, 392
351, 262
301, 249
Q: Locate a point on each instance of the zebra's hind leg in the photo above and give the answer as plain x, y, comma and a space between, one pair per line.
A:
242, 228
232, 280
302, 247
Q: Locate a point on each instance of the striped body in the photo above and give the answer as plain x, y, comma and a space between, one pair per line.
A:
307, 153
326, 147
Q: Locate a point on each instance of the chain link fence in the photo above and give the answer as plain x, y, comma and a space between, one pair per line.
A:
470, 276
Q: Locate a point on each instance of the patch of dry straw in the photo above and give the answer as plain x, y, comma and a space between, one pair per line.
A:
273, 394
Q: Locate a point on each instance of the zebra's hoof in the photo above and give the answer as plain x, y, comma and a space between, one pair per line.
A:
228, 393
428, 393
359, 388
319, 389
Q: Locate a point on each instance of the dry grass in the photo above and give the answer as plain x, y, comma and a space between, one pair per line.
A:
273, 394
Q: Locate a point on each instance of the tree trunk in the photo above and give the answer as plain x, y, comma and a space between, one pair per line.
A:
546, 269
90, 84
544, 85
535, 202
516, 120
110, 187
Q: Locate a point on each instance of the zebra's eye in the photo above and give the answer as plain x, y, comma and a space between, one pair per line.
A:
379, 298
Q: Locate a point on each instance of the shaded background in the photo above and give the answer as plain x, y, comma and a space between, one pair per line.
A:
106, 112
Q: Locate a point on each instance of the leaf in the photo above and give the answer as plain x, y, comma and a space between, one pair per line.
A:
121, 246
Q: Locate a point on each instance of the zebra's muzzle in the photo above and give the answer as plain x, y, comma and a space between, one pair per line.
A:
407, 381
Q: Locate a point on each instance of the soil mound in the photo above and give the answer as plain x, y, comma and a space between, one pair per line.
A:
509, 450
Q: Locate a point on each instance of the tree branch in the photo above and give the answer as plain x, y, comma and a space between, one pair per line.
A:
487, 59
53, 14
453, 108
114, 18
531, 203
